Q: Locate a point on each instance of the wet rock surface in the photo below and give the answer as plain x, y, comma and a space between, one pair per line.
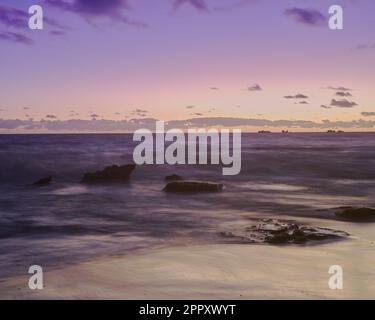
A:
278, 232
42, 182
112, 174
193, 186
173, 177
357, 214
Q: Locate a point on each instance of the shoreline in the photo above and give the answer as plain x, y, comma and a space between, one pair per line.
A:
217, 271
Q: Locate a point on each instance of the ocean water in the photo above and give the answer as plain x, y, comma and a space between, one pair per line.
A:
283, 175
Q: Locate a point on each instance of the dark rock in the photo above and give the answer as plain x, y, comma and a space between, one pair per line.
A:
42, 182
357, 214
112, 174
173, 177
192, 186
282, 233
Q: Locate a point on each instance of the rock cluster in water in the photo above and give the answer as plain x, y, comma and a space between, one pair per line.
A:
112, 174
278, 232
173, 177
42, 182
357, 214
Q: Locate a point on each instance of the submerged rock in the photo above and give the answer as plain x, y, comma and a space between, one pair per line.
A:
42, 182
193, 186
357, 214
173, 177
280, 232
112, 174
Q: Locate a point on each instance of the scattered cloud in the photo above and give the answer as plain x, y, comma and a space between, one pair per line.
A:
365, 46
190, 107
89, 9
51, 116
57, 33
139, 112
339, 88
197, 4
103, 125
255, 87
297, 96
73, 113
308, 17
94, 116
343, 103
15, 37
343, 94
15, 18
214, 88
368, 114
234, 5
325, 107
303, 102
198, 114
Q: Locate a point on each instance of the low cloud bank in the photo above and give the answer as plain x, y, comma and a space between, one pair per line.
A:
102, 125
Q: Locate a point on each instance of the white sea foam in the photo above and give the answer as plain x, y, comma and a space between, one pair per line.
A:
73, 190
274, 187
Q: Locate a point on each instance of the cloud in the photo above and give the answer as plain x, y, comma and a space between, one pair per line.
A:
255, 87
103, 125
89, 9
190, 107
15, 18
15, 37
198, 114
234, 5
306, 16
57, 33
214, 88
343, 94
139, 112
197, 4
365, 46
51, 116
201, 5
303, 102
94, 116
343, 103
297, 96
325, 107
339, 88
368, 114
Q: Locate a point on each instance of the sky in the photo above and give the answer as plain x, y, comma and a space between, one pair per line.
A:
117, 65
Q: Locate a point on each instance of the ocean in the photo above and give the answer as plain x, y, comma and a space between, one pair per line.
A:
283, 175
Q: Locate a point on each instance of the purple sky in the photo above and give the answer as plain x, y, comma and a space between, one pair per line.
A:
183, 59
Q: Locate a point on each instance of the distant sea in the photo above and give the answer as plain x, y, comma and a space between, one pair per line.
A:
295, 174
